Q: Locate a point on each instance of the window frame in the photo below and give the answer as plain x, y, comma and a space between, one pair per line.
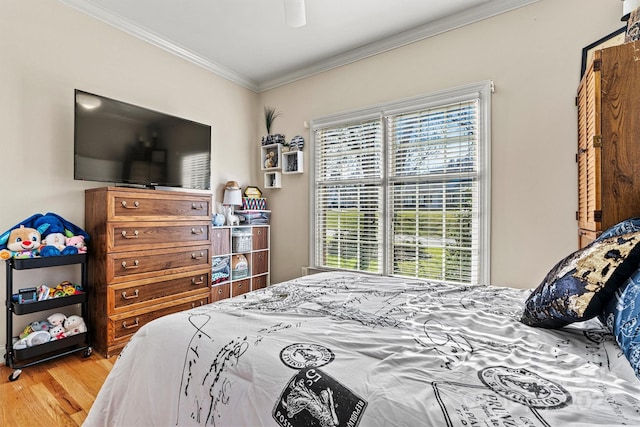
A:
480, 91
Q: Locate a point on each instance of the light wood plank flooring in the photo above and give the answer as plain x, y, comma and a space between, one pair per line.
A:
59, 392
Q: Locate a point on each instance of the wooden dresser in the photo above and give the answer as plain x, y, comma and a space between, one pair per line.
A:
149, 255
608, 141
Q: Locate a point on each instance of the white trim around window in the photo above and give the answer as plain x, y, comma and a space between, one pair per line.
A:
403, 188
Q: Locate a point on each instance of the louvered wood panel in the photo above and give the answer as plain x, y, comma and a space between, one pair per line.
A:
589, 151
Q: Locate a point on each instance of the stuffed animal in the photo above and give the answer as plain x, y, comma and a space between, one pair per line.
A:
271, 161
37, 338
22, 242
57, 332
35, 327
74, 325
56, 245
78, 243
56, 319
34, 338
56, 240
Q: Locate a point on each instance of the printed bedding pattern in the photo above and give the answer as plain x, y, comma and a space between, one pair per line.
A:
342, 349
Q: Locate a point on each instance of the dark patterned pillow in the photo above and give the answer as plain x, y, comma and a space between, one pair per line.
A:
623, 227
579, 286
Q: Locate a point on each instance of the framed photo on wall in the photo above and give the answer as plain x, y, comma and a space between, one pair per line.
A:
613, 39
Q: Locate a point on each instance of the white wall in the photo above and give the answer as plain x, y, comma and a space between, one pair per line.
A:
47, 49
533, 55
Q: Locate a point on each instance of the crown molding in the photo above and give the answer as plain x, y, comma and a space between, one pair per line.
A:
156, 40
469, 16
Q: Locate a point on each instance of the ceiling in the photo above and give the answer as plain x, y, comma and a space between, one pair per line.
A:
248, 41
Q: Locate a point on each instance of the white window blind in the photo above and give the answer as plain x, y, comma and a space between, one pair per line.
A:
403, 188
349, 194
433, 192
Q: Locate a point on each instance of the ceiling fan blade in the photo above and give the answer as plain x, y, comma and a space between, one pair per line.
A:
294, 13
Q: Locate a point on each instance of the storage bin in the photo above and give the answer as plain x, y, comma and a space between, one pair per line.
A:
254, 204
241, 241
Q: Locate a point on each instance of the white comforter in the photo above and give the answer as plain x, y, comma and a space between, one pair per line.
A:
339, 349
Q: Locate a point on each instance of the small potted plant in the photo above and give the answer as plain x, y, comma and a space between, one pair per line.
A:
270, 114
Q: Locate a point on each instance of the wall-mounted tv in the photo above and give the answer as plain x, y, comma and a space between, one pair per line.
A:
121, 143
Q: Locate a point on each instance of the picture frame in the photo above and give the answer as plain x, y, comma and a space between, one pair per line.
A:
615, 38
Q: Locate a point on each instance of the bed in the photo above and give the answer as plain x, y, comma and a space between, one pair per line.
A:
347, 349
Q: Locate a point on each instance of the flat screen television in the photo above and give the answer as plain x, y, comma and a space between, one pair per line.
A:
125, 144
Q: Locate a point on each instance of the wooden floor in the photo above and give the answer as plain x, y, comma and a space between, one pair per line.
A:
59, 392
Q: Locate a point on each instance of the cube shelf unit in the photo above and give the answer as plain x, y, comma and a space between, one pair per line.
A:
248, 241
276, 163
271, 156
273, 180
292, 162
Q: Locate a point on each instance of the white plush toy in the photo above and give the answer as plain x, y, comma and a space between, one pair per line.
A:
74, 325
37, 338
57, 332
56, 319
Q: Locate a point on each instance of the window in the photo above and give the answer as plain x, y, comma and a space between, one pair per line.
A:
194, 170
402, 189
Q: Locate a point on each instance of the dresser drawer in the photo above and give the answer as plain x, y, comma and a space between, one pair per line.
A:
133, 295
125, 325
127, 266
150, 206
122, 236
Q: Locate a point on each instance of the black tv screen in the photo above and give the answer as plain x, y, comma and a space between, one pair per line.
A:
126, 144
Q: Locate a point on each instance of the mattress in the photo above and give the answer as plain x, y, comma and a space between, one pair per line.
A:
346, 349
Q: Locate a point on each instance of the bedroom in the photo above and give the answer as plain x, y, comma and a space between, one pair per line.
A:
532, 54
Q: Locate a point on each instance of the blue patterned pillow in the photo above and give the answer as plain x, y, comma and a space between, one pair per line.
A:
580, 285
622, 315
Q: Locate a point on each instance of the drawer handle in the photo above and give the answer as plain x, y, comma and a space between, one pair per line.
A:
197, 231
129, 236
135, 324
125, 296
197, 207
194, 281
136, 205
194, 256
131, 267
193, 304
220, 291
